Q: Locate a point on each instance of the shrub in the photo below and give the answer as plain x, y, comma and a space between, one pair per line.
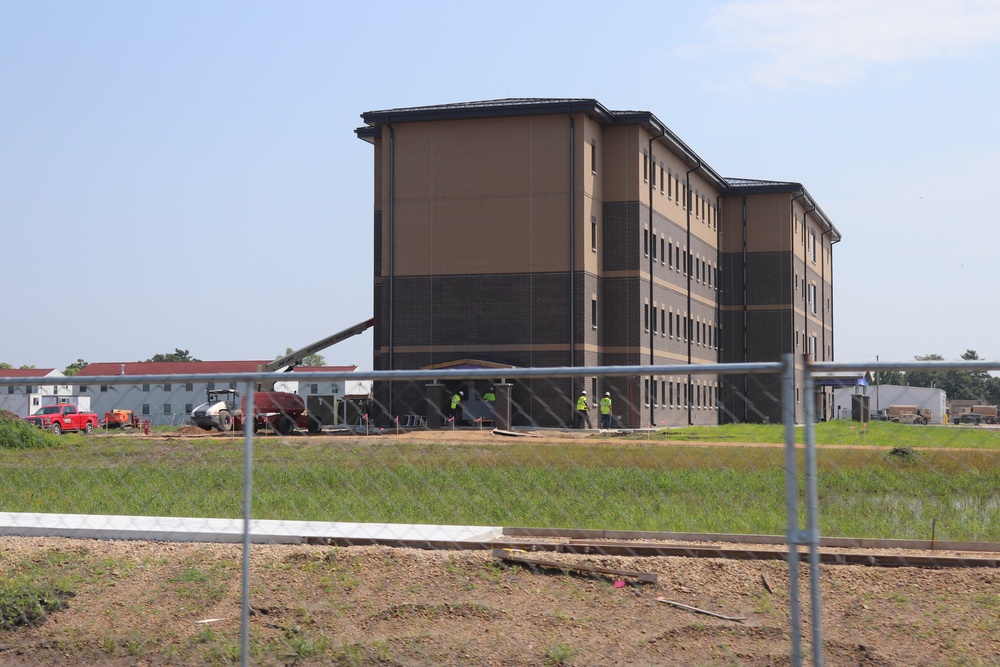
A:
18, 434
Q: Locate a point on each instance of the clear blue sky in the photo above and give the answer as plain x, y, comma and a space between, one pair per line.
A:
164, 167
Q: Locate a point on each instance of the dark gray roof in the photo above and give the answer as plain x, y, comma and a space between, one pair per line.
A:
739, 186
758, 184
506, 102
519, 106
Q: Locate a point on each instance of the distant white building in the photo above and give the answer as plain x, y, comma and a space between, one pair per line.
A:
171, 403
25, 399
880, 397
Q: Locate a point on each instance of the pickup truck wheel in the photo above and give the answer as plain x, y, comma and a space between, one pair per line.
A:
225, 421
89, 428
57, 428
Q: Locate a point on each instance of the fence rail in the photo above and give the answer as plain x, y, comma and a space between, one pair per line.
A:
861, 481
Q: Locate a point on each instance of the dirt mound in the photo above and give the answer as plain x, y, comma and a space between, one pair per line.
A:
7, 414
190, 430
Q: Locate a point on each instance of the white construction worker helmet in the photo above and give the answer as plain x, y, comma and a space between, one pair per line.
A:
584, 392
607, 393
461, 393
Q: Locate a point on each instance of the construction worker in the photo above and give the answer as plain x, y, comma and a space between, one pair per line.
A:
606, 410
581, 411
491, 402
456, 406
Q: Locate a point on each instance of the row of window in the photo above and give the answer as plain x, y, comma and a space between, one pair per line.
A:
676, 190
812, 300
676, 325
683, 261
673, 394
813, 346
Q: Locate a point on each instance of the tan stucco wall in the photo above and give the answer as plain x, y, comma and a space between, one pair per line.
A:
489, 195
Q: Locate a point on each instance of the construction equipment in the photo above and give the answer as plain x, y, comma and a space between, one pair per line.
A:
290, 361
120, 418
281, 411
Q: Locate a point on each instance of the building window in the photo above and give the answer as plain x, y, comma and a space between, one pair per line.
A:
670, 255
663, 254
654, 176
314, 389
593, 313
653, 249
661, 179
593, 156
145, 387
83, 389
166, 386
670, 321
655, 400
663, 322
645, 242
670, 184
188, 407
232, 385
593, 233
656, 317
167, 409
812, 299
104, 387
812, 242
646, 317
145, 408
645, 168
189, 386
645, 392
210, 386
10, 389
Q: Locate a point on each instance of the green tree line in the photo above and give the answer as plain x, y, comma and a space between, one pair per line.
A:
957, 385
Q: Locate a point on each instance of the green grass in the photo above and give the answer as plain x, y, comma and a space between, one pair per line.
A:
596, 484
839, 432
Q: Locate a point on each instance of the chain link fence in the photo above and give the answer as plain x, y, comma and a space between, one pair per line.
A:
790, 457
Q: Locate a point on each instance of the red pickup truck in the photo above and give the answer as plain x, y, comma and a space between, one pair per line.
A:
63, 417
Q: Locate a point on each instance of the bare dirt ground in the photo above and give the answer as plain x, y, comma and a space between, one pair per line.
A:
148, 603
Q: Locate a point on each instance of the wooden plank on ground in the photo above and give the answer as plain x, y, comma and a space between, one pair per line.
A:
518, 557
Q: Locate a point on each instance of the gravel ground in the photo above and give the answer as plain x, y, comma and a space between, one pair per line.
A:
148, 603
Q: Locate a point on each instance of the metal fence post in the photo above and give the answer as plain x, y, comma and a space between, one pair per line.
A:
812, 504
248, 431
791, 505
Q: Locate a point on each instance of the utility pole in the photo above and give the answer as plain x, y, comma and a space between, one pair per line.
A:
878, 383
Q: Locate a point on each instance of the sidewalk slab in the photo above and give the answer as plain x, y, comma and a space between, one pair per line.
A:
181, 529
